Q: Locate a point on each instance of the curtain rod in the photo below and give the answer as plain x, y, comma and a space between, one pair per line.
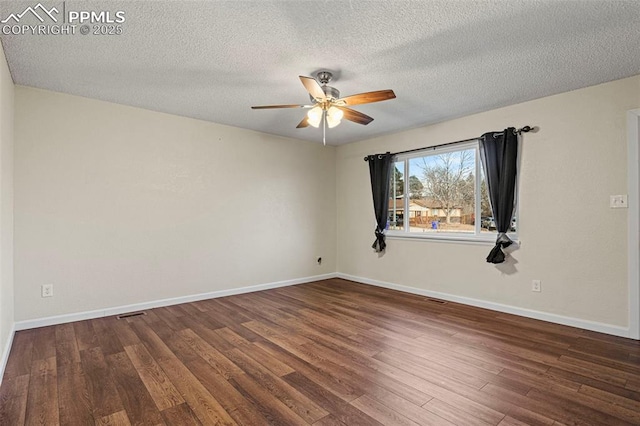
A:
524, 129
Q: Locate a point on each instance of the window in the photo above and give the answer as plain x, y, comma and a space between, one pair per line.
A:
396, 194
439, 193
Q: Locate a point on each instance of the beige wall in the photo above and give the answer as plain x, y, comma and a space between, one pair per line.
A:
571, 239
117, 205
6, 201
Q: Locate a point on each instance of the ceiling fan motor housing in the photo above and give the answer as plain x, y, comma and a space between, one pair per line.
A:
331, 93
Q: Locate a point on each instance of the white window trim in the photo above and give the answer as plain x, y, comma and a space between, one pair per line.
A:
478, 237
485, 239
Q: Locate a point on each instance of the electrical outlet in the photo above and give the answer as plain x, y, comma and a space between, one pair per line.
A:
536, 285
618, 202
47, 290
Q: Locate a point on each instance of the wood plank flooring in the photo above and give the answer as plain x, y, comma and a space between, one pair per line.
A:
327, 353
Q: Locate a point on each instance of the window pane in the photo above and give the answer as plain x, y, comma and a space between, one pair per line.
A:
442, 192
437, 195
396, 197
487, 223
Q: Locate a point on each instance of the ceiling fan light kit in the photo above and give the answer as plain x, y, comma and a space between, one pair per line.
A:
314, 116
328, 108
334, 116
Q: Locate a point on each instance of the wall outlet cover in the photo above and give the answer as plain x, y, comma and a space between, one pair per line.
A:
618, 202
536, 286
47, 290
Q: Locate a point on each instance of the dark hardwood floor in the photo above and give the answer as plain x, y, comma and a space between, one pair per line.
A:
327, 353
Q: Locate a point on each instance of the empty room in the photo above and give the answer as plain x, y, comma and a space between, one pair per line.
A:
320, 213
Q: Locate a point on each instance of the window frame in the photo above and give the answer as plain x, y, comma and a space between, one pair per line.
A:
477, 236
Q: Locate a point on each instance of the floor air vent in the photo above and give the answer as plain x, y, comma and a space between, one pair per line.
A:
131, 314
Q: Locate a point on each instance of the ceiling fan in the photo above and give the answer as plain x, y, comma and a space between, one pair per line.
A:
328, 108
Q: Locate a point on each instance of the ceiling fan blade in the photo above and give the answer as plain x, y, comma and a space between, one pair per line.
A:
368, 97
280, 106
355, 116
303, 123
314, 89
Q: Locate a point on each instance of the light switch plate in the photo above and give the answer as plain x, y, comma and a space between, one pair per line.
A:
618, 202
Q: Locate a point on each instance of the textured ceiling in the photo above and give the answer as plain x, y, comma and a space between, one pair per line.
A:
212, 60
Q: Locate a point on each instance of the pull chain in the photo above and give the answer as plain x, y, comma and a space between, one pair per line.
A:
324, 128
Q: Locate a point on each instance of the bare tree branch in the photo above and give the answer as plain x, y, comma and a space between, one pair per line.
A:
445, 179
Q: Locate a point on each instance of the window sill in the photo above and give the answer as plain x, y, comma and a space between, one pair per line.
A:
448, 238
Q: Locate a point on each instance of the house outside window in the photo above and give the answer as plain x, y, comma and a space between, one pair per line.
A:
441, 194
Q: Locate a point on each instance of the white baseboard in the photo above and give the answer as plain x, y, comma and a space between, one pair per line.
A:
529, 313
6, 350
116, 310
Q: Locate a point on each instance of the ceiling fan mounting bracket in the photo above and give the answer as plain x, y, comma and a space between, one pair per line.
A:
324, 77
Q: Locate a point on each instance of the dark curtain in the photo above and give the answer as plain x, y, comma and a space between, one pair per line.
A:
380, 171
499, 153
